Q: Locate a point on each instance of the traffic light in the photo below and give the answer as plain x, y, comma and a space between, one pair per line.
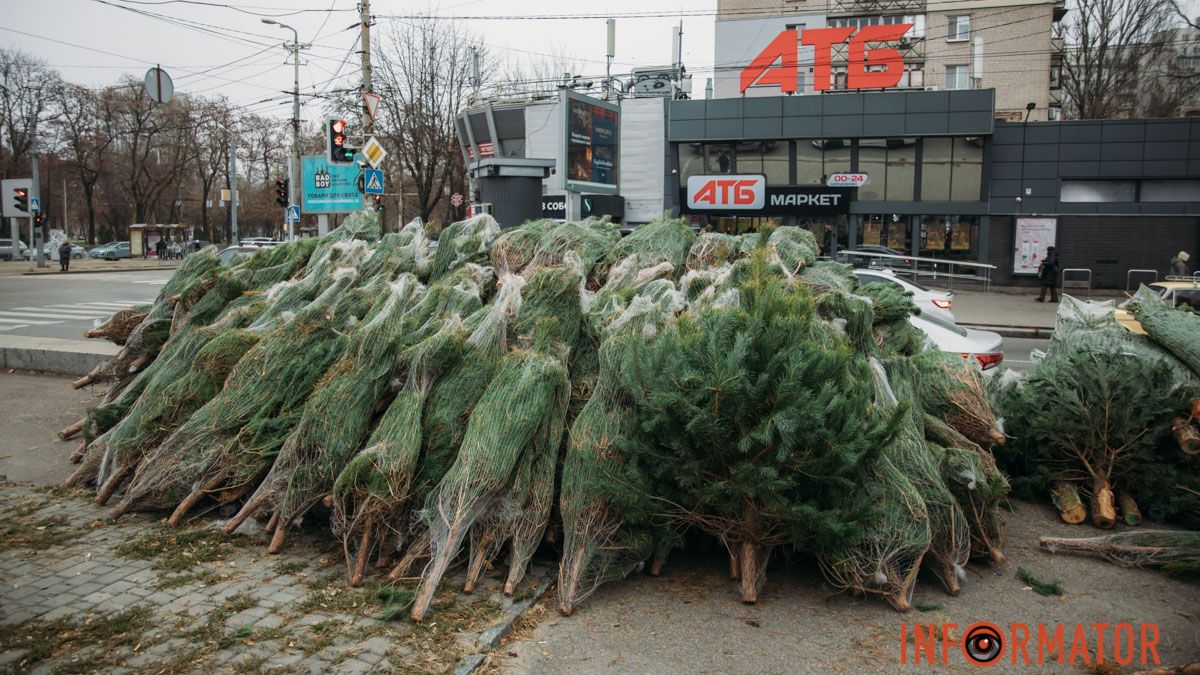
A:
335, 141
378, 199
281, 192
39, 218
21, 199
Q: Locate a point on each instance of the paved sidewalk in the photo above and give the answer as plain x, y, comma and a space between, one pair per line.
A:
79, 593
1012, 314
37, 405
8, 269
54, 355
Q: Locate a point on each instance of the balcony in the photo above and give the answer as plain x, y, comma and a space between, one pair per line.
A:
840, 7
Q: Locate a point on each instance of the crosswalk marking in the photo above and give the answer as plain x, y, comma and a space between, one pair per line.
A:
45, 315
81, 311
28, 322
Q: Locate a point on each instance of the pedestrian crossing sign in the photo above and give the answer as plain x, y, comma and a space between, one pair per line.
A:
293, 214
373, 181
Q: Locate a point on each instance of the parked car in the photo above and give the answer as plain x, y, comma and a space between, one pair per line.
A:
1174, 292
902, 259
117, 251
229, 256
931, 302
985, 347
51, 252
6, 249
98, 251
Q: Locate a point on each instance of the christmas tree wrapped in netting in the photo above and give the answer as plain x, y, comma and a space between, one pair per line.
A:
651, 251
894, 334
515, 248
884, 556
740, 407
588, 241
949, 537
599, 545
551, 307
372, 492
971, 474
322, 443
1176, 330
951, 389
527, 394
192, 376
712, 249
228, 443
466, 241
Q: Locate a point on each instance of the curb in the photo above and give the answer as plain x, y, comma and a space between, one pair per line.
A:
35, 273
54, 355
490, 638
1035, 332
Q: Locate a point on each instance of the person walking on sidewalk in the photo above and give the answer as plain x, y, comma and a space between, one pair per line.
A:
1048, 273
64, 256
1179, 265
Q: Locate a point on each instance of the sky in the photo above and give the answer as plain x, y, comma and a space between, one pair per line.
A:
221, 47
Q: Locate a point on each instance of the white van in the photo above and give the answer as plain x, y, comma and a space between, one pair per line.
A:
6, 252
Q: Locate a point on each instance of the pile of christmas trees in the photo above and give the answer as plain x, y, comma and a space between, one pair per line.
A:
556, 386
1107, 422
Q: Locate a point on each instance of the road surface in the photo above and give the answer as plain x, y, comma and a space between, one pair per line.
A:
67, 305
1016, 352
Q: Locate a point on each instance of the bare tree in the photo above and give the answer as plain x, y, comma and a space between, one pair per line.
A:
1110, 44
214, 119
422, 70
85, 143
25, 99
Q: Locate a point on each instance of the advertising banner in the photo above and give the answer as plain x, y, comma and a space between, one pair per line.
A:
329, 188
591, 143
1032, 237
750, 195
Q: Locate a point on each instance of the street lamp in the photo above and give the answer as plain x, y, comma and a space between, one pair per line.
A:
294, 165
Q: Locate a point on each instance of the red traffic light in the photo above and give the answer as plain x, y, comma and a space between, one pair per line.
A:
21, 192
338, 126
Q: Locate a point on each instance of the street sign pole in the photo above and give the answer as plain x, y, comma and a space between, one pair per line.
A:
36, 194
233, 231
16, 236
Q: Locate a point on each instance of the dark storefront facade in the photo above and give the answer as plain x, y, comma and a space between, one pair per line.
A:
943, 179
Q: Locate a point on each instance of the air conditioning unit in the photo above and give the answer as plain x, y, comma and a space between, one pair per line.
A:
933, 88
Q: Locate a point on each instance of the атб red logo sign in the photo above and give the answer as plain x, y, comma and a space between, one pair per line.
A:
739, 193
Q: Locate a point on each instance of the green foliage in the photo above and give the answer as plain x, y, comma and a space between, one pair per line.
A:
1049, 588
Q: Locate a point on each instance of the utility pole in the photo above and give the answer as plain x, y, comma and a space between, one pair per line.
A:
294, 165
66, 227
35, 231
364, 8
612, 51
233, 195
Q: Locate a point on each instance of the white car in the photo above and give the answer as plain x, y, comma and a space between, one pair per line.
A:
931, 302
984, 346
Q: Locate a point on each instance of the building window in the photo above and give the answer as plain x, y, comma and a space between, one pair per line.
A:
816, 159
1092, 191
718, 158
890, 165
691, 161
958, 29
954, 237
1170, 190
1055, 114
769, 158
958, 77
951, 169
890, 231
1056, 75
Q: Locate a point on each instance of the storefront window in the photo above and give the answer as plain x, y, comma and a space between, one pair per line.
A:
967, 169
816, 159
951, 169
886, 230
691, 161
952, 237
718, 158
769, 158
831, 233
890, 165
935, 169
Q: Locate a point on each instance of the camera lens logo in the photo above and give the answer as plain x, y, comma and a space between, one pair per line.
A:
982, 644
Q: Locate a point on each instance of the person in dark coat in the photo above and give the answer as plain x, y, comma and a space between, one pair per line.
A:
1179, 265
1048, 273
64, 256
160, 249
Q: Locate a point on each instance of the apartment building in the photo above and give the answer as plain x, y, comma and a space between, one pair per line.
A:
1006, 45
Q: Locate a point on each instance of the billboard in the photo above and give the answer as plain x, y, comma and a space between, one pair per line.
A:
590, 144
327, 187
1033, 236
